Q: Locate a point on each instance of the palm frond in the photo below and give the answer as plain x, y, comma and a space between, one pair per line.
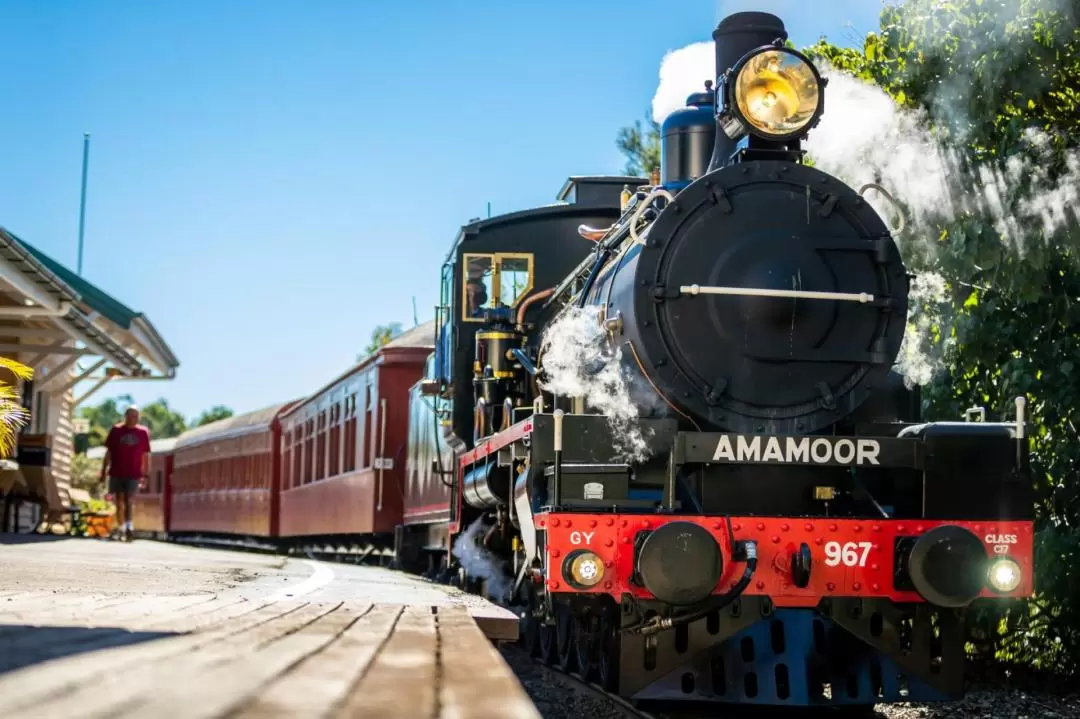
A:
13, 416
17, 368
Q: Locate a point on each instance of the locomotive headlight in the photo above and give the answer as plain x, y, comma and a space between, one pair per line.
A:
773, 92
1004, 575
583, 569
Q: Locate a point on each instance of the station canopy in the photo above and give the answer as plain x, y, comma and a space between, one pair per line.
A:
48, 310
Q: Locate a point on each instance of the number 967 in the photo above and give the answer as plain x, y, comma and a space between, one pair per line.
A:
850, 554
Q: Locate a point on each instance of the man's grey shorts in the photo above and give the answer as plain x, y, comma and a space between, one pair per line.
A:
123, 485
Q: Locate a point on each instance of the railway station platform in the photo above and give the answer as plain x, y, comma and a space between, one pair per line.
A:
96, 628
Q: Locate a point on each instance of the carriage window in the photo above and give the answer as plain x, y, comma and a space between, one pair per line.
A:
496, 280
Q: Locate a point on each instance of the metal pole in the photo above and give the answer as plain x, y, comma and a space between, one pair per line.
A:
489, 210
82, 200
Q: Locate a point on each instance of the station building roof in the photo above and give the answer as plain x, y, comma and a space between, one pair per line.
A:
54, 303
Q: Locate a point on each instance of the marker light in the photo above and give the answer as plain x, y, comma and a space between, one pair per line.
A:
583, 569
776, 93
1004, 575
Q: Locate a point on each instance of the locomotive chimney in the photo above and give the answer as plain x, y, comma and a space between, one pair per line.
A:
736, 35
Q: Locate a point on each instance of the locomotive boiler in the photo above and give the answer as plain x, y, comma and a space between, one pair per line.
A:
794, 532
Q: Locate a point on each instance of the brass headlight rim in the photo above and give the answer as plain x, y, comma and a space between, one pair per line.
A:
731, 104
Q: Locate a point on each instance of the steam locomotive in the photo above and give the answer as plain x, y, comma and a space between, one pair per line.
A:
788, 529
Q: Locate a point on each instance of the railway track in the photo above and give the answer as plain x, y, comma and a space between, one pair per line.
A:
516, 655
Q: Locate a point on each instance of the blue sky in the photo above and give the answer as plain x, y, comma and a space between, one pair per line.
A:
271, 179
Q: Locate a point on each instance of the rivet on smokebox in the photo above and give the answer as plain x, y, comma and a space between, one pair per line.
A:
610, 522
645, 523
856, 586
761, 526
592, 522
830, 586
568, 523
775, 539
609, 543
785, 527
554, 584
760, 585
809, 527
832, 527
555, 522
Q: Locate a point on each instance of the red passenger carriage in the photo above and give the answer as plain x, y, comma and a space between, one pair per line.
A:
344, 448
225, 476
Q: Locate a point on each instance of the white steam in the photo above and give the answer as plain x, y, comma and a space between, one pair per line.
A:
479, 563
921, 353
864, 137
579, 361
682, 73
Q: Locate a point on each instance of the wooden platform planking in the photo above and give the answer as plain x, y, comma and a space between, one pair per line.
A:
284, 659
324, 681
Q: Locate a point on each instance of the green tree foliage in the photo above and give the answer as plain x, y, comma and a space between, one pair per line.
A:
213, 414
641, 146
162, 421
86, 474
379, 337
103, 416
987, 73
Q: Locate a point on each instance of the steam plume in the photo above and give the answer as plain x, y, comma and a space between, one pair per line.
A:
682, 73
479, 563
579, 362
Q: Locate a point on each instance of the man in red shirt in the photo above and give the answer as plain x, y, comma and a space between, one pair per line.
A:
127, 464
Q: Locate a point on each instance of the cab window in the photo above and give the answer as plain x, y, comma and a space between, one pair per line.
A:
494, 280
479, 290
515, 279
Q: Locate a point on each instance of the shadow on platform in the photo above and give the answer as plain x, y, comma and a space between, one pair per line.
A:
31, 538
23, 645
